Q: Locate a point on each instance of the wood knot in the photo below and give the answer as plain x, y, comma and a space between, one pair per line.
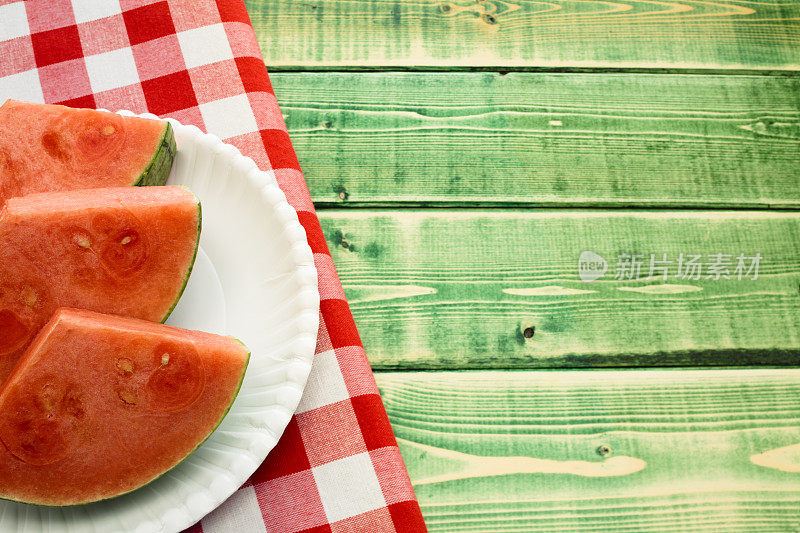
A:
342, 193
445, 8
604, 450
489, 19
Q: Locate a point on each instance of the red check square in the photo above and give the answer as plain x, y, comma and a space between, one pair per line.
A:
233, 12
288, 457
254, 74
325, 528
279, 148
315, 237
148, 22
169, 93
339, 321
55, 46
82, 101
374, 424
407, 516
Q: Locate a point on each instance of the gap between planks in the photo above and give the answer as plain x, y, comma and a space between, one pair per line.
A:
501, 70
463, 205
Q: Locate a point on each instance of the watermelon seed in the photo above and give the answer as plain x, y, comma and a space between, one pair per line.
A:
164, 359
127, 397
81, 240
108, 130
46, 397
125, 240
125, 365
29, 296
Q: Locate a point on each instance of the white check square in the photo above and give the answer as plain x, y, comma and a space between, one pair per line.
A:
13, 21
88, 10
229, 117
348, 487
205, 45
22, 86
325, 383
111, 70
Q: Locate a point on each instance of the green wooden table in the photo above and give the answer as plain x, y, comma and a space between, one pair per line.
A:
464, 154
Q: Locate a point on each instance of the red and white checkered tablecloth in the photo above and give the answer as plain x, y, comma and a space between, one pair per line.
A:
337, 467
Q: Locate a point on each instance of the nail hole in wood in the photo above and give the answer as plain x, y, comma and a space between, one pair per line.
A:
603, 450
528, 332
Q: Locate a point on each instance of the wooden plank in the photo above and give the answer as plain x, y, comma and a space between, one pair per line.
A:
501, 289
545, 139
709, 450
728, 34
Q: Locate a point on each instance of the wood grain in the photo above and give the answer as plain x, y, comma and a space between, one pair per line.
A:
545, 139
680, 34
709, 450
461, 288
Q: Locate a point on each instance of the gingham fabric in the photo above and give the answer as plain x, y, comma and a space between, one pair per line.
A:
337, 467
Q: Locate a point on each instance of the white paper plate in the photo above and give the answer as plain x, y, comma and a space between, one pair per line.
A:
255, 279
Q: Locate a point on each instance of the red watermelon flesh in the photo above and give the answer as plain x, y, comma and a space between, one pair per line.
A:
126, 251
55, 148
100, 405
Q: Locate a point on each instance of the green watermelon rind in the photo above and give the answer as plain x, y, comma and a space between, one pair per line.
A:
157, 170
191, 264
224, 415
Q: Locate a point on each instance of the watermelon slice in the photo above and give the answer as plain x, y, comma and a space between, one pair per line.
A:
56, 148
101, 405
125, 250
